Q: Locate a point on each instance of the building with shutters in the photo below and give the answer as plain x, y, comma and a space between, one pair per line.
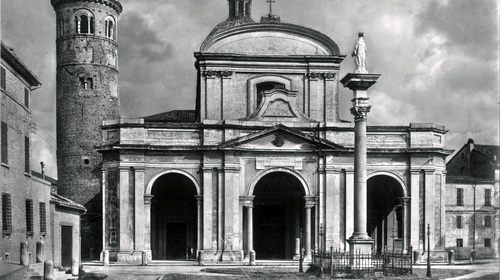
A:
31, 211
472, 201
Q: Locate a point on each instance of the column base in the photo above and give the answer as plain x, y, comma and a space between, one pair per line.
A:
361, 245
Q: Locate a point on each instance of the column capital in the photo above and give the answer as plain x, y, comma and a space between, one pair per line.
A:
360, 112
310, 201
139, 168
359, 81
147, 198
124, 168
246, 200
405, 200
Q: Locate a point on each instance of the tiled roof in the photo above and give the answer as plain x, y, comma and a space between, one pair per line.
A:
173, 116
488, 150
64, 202
15, 62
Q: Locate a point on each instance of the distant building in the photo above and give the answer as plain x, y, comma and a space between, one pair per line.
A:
472, 217
30, 211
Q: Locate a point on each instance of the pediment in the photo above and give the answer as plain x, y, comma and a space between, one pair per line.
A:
279, 105
280, 138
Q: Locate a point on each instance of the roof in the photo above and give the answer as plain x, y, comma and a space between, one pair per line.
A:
9, 56
238, 25
490, 151
115, 4
44, 177
173, 116
67, 203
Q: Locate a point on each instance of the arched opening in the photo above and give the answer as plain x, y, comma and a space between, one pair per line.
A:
173, 217
266, 86
84, 24
278, 205
385, 213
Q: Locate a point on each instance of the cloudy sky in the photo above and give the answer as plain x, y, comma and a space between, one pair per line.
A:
438, 59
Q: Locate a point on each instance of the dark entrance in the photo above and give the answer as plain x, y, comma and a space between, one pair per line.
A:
176, 240
66, 246
278, 205
385, 223
173, 217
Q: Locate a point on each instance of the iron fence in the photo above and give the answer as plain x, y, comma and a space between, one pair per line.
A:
340, 262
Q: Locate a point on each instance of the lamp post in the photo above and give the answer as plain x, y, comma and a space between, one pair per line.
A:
429, 274
321, 243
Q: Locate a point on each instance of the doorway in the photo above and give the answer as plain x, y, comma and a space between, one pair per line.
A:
66, 246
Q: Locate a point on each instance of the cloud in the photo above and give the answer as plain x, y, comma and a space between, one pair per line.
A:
469, 26
139, 43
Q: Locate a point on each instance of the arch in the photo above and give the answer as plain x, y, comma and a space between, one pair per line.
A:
84, 22
260, 175
109, 27
392, 175
178, 171
252, 83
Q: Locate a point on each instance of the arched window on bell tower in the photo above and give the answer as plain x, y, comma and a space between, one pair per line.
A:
84, 22
109, 28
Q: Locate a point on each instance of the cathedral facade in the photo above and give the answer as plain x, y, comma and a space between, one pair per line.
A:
263, 165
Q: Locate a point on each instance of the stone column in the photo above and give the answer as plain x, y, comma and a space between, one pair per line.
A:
139, 208
310, 201
124, 239
416, 240
405, 202
247, 201
199, 203
359, 84
104, 209
147, 222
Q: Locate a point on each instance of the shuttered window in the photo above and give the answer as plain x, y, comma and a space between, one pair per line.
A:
26, 155
43, 219
459, 221
6, 214
3, 82
487, 197
460, 197
5, 150
29, 217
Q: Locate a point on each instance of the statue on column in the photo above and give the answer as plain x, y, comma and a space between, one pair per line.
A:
359, 54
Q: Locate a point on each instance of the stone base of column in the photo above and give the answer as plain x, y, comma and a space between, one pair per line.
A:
227, 256
361, 245
129, 257
296, 257
251, 257
360, 251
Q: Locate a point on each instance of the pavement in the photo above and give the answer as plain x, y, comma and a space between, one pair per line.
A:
156, 271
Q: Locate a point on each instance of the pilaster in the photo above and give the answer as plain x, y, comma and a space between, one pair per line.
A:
124, 212
139, 208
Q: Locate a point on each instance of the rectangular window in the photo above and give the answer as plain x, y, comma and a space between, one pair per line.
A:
26, 98
3, 82
460, 243
487, 242
459, 221
43, 221
29, 217
6, 214
5, 150
487, 221
460, 197
487, 197
26, 154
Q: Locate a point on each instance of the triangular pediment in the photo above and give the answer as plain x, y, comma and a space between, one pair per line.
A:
280, 138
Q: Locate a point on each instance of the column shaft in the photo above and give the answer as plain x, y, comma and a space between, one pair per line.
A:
250, 227
360, 179
308, 231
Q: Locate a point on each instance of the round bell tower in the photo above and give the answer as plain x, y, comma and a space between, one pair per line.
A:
87, 94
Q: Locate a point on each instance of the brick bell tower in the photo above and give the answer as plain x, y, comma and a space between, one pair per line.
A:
87, 94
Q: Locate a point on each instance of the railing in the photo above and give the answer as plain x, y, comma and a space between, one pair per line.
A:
340, 262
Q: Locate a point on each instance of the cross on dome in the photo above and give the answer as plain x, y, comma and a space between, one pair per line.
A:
271, 2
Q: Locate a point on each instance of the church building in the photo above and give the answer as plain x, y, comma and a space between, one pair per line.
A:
262, 166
